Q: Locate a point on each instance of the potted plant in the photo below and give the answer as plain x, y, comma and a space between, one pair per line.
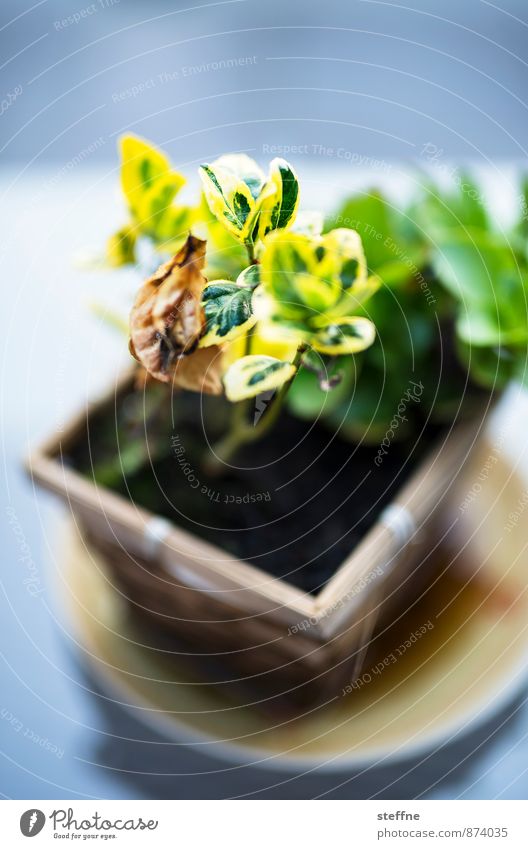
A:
267, 481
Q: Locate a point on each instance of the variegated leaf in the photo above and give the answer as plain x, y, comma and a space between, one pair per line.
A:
173, 227
249, 376
232, 186
290, 275
346, 257
155, 205
228, 312
362, 290
142, 166
244, 169
344, 336
121, 247
281, 198
313, 277
250, 276
308, 223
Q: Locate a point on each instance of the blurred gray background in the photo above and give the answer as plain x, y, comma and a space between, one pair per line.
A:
379, 78
371, 80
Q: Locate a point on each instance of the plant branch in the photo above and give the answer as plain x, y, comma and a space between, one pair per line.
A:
250, 247
248, 340
241, 432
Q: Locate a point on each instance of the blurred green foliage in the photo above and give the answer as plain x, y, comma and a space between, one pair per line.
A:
452, 310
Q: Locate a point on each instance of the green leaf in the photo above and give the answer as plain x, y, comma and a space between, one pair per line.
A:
522, 223
478, 327
492, 367
387, 232
483, 329
501, 322
469, 265
458, 210
307, 400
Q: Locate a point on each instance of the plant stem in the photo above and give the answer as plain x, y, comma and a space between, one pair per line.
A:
248, 339
250, 247
241, 432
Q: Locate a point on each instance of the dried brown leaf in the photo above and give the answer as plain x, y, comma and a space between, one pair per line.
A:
167, 318
201, 371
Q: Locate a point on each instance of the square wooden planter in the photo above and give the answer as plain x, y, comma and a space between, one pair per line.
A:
277, 640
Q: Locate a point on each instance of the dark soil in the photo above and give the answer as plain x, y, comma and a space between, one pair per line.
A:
296, 506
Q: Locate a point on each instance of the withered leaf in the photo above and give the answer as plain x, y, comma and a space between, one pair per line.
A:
167, 318
201, 371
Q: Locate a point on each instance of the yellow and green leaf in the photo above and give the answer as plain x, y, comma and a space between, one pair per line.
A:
248, 204
142, 166
121, 247
249, 376
308, 222
226, 256
270, 339
311, 277
281, 198
250, 276
347, 335
293, 276
363, 290
155, 205
345, 255
232, 187
174, 226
